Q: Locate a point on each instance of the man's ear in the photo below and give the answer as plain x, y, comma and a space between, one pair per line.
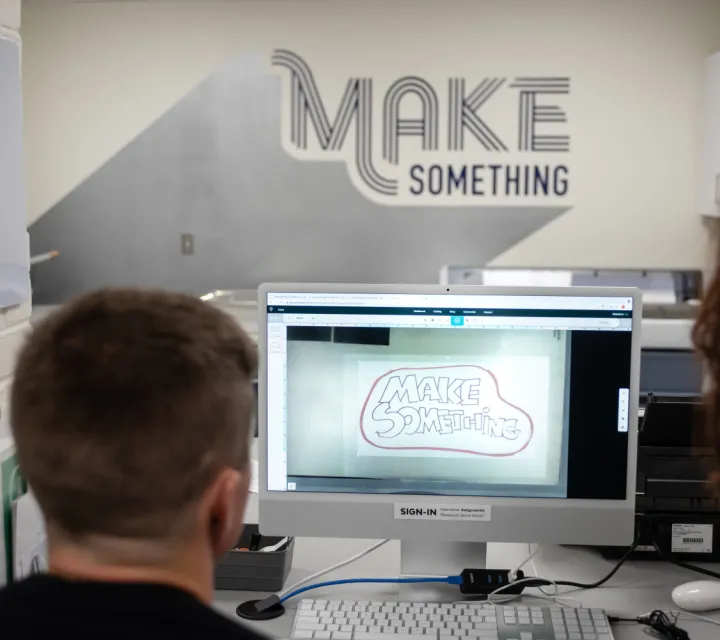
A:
226, 501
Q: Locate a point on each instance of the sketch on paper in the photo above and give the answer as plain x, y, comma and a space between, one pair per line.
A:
453, 408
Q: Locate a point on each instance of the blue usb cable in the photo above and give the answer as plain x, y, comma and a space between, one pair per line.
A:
332, 583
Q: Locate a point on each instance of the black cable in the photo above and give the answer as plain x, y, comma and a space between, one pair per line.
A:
684, 565
626, 555
660, 623
614, 570
541, 582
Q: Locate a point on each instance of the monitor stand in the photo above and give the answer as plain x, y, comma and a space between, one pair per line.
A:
437, 558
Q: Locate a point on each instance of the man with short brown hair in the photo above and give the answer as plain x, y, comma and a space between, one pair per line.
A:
131, 413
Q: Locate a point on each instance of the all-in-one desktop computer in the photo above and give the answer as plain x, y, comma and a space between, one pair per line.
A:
460, 416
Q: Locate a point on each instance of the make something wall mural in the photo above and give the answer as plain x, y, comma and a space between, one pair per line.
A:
215, 167
522, 133
463, 157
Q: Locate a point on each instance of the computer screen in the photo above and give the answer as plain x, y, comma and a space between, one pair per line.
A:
518, 396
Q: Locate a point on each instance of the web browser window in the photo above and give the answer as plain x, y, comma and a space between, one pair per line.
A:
524, 396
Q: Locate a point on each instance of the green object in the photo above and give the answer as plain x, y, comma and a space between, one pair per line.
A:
13, 486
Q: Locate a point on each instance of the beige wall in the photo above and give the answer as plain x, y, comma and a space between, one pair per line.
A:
97, 74
10, 14
13, 320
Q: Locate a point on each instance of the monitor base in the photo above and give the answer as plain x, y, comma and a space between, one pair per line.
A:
436, 558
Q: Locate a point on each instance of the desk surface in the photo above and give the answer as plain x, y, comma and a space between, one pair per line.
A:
637, 588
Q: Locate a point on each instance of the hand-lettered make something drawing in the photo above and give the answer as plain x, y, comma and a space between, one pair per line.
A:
456, 408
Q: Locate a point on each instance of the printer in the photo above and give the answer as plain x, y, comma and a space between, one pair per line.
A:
668, 364
677, 508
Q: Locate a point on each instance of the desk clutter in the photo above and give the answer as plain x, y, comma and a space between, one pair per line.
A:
258, 563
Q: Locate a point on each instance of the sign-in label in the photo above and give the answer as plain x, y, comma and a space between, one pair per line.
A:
458, 513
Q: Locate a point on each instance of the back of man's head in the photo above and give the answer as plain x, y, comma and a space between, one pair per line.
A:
126, 405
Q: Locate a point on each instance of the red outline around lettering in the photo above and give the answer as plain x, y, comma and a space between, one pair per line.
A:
474, 453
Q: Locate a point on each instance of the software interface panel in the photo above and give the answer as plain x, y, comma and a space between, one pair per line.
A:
449, 395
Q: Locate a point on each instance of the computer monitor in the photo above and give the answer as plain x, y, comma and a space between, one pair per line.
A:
449, 414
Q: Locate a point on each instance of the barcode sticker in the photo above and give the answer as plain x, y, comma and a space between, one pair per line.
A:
692, 538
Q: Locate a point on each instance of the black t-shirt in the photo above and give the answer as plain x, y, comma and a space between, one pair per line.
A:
49, 607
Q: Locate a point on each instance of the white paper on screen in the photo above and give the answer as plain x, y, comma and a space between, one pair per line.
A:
494, 407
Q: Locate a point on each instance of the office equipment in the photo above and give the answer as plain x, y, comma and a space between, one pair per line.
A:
669, 367
668, 363
703, 595
255, 568
636, 589
675, 459
677, 508
382, 620
660, 287
477, 582
448, 417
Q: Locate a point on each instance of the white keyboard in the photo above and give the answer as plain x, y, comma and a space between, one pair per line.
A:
358, 620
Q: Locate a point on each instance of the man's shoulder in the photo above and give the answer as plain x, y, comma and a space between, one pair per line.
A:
83, 610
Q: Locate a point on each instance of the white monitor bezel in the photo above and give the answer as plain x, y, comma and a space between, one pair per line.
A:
550, 520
